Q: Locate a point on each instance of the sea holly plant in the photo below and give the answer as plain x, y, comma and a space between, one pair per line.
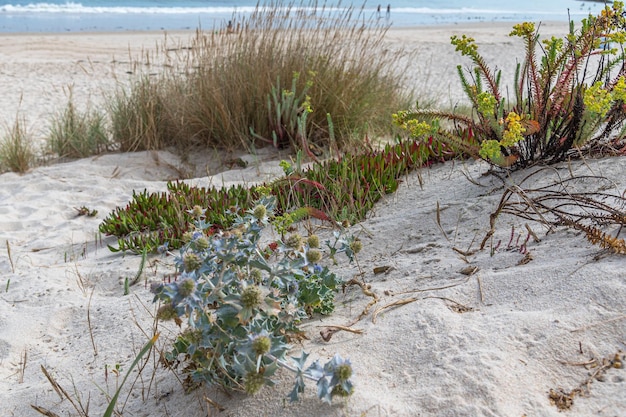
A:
239, 303
569, 95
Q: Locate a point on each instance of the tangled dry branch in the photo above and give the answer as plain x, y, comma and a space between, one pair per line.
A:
564, 203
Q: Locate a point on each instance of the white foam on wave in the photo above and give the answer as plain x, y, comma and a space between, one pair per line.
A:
469, 10
78, 8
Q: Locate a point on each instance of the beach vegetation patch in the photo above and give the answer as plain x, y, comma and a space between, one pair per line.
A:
17, 152
76, 134
339, 191
268, 78
569, 98
138, 116
239, 302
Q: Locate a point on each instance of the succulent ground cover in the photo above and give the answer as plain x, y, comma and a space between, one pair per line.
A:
335, 190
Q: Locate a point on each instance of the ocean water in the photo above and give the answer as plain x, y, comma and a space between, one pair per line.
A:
124, 15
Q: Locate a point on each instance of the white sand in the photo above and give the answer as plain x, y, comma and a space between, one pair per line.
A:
527, 326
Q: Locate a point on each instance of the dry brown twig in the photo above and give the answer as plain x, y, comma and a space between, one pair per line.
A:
559, 204
614, 319
564, 400
329, 331
93, 341
82, 411
22, 367
10, 258
396, 303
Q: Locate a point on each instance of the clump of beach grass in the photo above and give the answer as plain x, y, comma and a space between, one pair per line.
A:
17, 153
76, 134
226, 89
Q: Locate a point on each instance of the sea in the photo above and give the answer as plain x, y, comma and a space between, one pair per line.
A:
151, 15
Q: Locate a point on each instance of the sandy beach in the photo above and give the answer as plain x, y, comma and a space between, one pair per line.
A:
484, 334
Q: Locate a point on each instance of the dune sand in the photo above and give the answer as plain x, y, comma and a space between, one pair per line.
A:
492, 343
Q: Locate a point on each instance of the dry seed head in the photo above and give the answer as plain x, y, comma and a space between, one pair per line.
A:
356, 245
260, 211
166, 312
254, 382
294, 241
202, 243
251, 297
313, 255
191, 262
261, 345
197, 211
313, 241
256, 275
343, 372
186, 287
187, 236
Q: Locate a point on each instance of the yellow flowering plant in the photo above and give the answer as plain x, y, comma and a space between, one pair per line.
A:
569, 96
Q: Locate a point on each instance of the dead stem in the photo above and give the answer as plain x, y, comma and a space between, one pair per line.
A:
599, 323
93, 342
43, 411
366, 290
10, 258
564, 400
329, 331
430, 289
396, 303
438, 219
555, 204
22, 367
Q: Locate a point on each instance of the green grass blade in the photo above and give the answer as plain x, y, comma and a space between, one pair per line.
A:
146, 348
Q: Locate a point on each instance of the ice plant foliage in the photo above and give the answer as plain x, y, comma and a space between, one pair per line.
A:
569, 96
239, 304
334, 190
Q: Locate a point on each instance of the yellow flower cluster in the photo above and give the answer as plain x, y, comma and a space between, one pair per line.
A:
414, 127
514, 130
597, 99
486, 103
553, 43
490, 149
467, 46
617, 37
306, 105
619, 90
523, 30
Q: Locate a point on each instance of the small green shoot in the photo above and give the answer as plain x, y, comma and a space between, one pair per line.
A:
146, 349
